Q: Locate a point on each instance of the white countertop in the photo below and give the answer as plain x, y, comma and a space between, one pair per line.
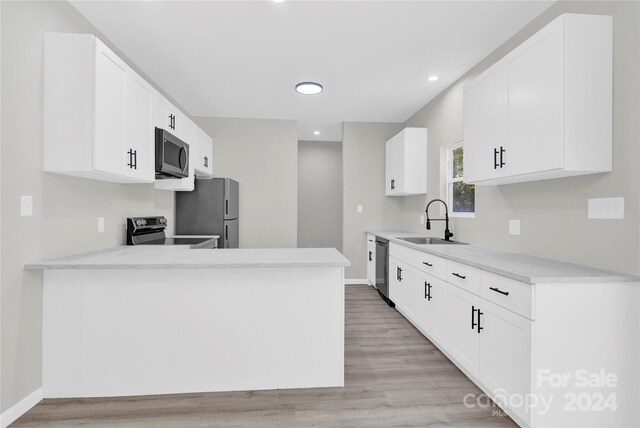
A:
520, 267
183, 257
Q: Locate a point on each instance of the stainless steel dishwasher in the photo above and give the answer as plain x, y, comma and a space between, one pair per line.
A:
382, 269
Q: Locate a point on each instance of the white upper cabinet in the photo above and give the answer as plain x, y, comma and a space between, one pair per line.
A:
545, 109
406, 163
203, 154
97, 112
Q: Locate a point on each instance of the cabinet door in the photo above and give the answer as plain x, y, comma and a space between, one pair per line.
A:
483, 126
505, 353
110, 92
413, 293
394, 149
371, 264
534, 120
396, 289
161, 116
203, 160
140, 130
463, 337
433, 313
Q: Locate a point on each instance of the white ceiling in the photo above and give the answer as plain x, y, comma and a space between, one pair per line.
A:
243, 58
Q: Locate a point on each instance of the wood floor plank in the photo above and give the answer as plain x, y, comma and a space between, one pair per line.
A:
394, 377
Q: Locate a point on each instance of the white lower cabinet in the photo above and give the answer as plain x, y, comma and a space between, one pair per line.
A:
505, 355
515, 339
433, 311
463, 334
371, 260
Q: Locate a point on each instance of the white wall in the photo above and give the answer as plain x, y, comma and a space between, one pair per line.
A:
320, 194
66, 209
363, 156
262, 155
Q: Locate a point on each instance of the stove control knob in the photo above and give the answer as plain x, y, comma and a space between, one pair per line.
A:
138, 222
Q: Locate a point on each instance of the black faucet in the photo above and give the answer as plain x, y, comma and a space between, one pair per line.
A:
447, 233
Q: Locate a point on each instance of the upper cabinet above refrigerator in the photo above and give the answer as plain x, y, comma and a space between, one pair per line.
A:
545, 109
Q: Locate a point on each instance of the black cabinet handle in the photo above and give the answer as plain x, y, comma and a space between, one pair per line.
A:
393, 184
458, 275
427, 290
473, 317
502, 156
370, 259
497, 290
206, 162
495, 159
479, 314
370, 240
133, 159
399, 274
428, 264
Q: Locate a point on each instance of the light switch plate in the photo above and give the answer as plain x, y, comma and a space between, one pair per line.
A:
100, 224
514, 227
26, 206
359, 209
606, 208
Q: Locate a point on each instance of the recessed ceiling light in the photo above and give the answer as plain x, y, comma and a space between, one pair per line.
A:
316, 132
433, 78
278, 1
309, 88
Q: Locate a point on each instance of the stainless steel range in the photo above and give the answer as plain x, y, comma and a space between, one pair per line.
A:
151, 231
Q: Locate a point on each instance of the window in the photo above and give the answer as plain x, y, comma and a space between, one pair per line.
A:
460, 197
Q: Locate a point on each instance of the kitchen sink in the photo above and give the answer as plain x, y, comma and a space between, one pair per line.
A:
427, 240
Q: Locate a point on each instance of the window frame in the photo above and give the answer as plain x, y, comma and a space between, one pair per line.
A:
447, 180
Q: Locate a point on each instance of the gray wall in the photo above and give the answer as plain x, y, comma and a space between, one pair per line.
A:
263, 156
553, 213
363, 157
320, 194
65, 208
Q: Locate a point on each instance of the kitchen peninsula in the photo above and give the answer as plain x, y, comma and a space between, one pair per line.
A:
170, 319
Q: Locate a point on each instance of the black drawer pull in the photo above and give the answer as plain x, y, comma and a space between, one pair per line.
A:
393, 184
497, 290
458, 275
428, 264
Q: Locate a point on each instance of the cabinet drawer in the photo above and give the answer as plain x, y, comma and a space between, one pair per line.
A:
425, 262
508, 293
465, 277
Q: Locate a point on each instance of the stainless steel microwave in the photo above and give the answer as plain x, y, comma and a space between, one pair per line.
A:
172, 156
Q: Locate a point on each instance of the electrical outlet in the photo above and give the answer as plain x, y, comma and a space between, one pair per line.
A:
359, 209
421, 218
606, 208
514, 227
26, 206
100, 224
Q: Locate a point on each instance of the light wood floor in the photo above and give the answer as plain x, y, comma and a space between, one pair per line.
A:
394, 377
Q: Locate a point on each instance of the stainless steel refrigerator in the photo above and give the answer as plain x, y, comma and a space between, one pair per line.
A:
210, 209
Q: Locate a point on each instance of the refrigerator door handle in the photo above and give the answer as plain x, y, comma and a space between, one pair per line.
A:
226, 232
226, 206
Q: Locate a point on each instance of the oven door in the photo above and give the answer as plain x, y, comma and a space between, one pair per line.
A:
172, 156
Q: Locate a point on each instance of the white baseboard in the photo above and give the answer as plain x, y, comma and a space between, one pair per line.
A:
20, 408
356, 282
